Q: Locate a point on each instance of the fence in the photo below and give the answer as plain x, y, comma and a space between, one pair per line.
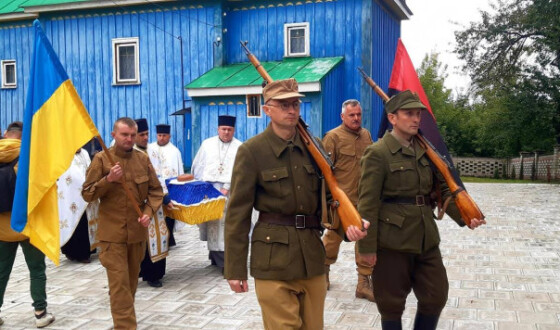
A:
532, 166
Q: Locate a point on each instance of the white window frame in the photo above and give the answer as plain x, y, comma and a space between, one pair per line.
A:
287, 28
6, 63
126, 42
259, 102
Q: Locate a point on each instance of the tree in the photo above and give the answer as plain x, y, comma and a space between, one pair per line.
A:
513, 58
454, 119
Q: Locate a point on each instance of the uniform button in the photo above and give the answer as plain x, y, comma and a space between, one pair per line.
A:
274, 176
295, 167
268, 238
298, 187
402, 167
387, 220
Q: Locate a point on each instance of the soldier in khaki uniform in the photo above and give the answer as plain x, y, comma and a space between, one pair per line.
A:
403, 239
121, 233
275, 174
346, 144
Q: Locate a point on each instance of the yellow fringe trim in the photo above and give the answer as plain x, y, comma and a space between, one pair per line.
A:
194, 214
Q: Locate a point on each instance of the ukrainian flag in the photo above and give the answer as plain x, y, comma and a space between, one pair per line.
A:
55, 125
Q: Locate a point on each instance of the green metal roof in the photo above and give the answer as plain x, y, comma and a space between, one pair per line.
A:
16, 6
303, 69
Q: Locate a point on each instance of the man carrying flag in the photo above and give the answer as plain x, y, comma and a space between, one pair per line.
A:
55, 125
9, 239
396, 195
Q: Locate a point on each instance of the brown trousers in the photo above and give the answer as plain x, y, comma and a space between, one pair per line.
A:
331, 241
296, 304
397, 273
122, 262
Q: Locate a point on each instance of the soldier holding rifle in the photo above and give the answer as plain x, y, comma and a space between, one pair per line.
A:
275, 174
395, 195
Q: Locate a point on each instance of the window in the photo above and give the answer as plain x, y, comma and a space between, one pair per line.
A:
253, 105
9, 74
296, 39
126, 66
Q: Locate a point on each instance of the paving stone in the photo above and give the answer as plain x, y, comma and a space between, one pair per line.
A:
476, 303
503, 276
515, 326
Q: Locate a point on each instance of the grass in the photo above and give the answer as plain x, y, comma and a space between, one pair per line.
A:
491, 180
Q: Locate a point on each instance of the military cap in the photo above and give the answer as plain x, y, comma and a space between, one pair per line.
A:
142, 124
163, 129
281, 90
226, 121
404, 100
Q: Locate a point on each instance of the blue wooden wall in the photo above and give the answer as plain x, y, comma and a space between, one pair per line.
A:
82, 41
15, 44
360, 30
386, 30
207, 109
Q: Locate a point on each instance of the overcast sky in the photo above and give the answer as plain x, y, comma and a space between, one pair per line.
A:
431, 29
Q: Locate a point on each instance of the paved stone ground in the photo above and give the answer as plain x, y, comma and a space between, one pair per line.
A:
505, 276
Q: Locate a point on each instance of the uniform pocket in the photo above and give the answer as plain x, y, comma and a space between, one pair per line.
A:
405, 174
276, 181
142, 185
270, 248
391, 218
109, 255
346, 159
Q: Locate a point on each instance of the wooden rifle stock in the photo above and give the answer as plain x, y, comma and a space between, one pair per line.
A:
346, 211
466, 205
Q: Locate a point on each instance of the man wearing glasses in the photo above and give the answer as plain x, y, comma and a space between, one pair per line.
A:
274, 173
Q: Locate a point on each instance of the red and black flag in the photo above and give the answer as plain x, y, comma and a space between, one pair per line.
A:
404, 77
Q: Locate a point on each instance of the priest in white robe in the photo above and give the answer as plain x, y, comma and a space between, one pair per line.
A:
213, 163
78, 219
168, 163
152, 268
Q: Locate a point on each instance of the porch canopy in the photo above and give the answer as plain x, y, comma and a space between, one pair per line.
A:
243, 78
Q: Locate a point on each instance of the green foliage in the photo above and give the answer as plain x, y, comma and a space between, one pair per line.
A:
496, 173
455, 120
504, 171
513, 58
513, 175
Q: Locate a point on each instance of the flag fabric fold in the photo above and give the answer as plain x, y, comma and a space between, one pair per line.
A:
55, 125
404, 77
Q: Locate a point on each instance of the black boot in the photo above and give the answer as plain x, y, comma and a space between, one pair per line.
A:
391, 325
425, 322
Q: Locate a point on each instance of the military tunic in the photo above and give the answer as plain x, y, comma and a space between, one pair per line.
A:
345, 148
402, 230
273, 176
122, 238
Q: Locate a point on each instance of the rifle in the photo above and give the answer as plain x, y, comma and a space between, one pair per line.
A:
346, 211
466, 205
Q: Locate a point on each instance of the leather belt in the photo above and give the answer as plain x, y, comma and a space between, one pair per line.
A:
418, 200
300, 221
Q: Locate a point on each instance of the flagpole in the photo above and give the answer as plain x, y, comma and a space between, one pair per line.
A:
466, 205
122, 182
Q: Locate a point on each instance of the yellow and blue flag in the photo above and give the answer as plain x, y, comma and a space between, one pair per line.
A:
55, 125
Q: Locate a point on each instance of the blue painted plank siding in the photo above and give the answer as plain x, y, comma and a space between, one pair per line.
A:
331, 99
386, 30
82, 41
360, 30
15, 44
207, 109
